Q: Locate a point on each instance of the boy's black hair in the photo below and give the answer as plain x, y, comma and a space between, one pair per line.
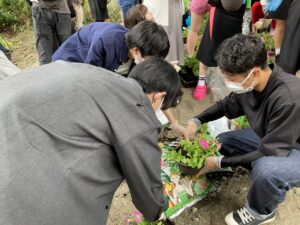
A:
157, 75
241, 53
150, 38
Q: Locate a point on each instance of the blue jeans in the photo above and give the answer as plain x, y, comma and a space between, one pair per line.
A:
271, 176
51, 30
126, 4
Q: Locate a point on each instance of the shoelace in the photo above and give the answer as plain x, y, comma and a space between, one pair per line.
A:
245, 215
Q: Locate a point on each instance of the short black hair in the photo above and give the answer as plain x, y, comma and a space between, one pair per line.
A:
157, 75
150, 38
241, 53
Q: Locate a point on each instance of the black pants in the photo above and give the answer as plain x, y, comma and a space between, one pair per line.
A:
51, 30
99, 10
224, 25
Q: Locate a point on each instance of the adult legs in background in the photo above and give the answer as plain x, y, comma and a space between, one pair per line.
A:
174, 31
200, 91
78, 14
221, 25
62, 27
278, 35
193, 37
290, 50
198, 10
280, 15
125, 5
43, 33
49, 27
99, 10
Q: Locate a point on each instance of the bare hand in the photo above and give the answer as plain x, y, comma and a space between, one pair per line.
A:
179, 130
191, 130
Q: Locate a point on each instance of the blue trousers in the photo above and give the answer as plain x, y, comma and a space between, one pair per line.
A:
271, 176
126, 4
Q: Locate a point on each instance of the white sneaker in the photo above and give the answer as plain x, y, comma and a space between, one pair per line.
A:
244, 217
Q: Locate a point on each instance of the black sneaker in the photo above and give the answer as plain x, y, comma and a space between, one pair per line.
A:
244, 217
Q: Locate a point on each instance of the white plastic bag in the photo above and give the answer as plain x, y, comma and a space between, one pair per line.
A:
218, 126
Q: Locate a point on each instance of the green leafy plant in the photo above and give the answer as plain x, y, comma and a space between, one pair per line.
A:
186, 5
267, 39
194, 153
14, 13
185, 32
241, 122
192, 63
269, 44
5, 44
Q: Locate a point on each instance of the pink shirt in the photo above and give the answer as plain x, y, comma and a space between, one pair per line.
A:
199, 6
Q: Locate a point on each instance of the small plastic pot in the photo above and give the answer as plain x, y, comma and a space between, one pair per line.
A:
187, 169
188, 79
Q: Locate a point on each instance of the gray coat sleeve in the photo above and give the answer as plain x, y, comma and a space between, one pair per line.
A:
140, 158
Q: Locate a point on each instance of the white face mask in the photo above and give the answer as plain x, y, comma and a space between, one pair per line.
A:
238, 87
159, 107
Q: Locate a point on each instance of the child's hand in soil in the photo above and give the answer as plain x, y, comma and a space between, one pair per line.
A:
191, 130
179, 130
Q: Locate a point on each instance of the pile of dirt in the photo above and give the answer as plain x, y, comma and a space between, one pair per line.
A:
232, 188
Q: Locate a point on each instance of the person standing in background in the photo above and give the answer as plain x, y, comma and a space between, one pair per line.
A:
125, 5
198, 9
289, 59
225, 20
76, 8
51, 23
280, 15
168, 13
99, 10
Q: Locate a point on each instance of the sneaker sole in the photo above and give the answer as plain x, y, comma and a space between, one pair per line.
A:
229, 220
269, 220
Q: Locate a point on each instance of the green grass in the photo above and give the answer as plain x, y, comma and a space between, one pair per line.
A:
14, 14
